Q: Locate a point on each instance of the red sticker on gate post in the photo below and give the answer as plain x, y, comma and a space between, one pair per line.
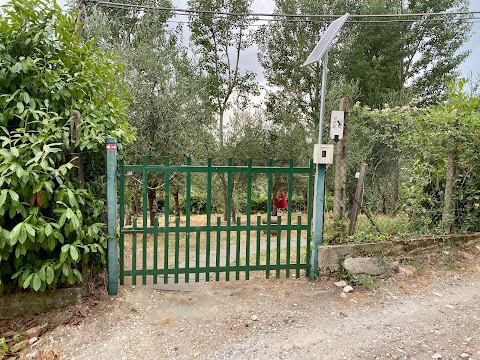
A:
111, 147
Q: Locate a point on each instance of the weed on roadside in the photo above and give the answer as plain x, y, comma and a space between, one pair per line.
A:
366, 281
450, 263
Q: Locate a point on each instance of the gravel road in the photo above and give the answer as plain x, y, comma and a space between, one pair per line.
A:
428, 313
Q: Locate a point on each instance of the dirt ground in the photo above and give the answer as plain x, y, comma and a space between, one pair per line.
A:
431, 311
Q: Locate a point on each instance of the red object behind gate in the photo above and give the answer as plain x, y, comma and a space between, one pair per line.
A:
281, 201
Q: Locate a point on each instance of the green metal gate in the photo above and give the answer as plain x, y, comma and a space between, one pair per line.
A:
196, 247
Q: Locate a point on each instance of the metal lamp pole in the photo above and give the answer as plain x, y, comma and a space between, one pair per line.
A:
319, 192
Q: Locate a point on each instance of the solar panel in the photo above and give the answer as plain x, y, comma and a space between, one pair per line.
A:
326, 40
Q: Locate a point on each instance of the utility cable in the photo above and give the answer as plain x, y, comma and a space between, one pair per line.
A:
275, 15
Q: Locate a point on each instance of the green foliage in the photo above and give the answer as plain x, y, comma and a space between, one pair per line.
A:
258, 204
450, 128
417, 60
198, 204
335, 232
379, 138
50, 229
169, 106
3, 346
219, 41
284, 47
389, 71
449, 263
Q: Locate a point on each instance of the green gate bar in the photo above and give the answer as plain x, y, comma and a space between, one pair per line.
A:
122, 221
228, 258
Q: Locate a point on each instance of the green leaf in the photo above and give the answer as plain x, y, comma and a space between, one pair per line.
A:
74, 253
69, 213
13, 195
20, 107
12, 211
19, 171
78, 274
59, 237
30, 230
14, 276
61, 222
15, 234
75, 222
3, 196
71, 278
14, 150
42, 274
37, 282
27, 281
51, 243
66, 269
48, 230
50, 275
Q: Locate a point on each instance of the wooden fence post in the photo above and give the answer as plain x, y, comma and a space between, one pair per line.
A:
448, 216
340, 187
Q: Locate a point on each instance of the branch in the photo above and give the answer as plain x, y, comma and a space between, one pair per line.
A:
409, 62
214, 39
232, 83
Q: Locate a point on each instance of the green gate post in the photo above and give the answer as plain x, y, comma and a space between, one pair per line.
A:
111, 148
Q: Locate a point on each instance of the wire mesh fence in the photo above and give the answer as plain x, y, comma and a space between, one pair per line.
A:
388, 194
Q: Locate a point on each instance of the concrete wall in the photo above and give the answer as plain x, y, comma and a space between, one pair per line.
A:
329, 256
12, 305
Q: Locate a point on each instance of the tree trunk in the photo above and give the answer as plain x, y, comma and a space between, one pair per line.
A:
225, 195
396, 187
129, 215
233, 209
152, 206
340, 187
220, 128
305, 201
225, 199
448, 215
274, 203
177, 204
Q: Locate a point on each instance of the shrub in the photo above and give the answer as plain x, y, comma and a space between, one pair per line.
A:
51, 229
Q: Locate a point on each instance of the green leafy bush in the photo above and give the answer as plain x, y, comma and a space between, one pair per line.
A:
50, 229
259, 203
198, 204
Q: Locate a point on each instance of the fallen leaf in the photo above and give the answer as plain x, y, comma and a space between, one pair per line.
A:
17, 347
31, 323
467, 255
82, 311
9, 333
35, 331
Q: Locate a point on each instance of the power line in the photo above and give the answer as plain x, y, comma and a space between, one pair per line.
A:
473, 20
179, 11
